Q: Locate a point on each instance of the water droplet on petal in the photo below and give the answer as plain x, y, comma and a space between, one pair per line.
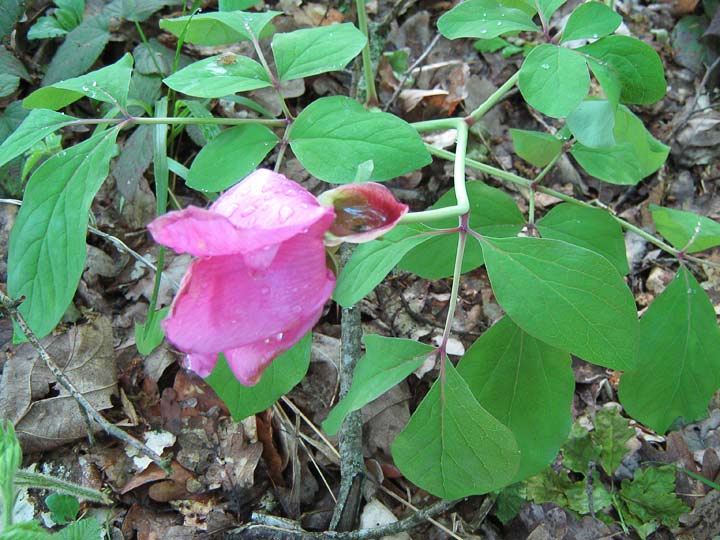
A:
279, 336
304, 206
264, 290
266, 340
285, 213
296, 309
247, 211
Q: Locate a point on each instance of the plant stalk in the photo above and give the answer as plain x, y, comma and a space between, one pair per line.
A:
492, 100
371, 99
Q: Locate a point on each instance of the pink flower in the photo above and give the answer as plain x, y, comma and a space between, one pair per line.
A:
363, 212
260, 281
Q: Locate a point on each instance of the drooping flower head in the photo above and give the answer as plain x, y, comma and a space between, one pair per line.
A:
260, 281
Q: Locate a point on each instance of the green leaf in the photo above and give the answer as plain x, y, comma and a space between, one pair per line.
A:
551, 486
580, 303
9, 15
201, 134
452, 447
607, 79
136, 10
371, 262
47, 244
64, 508
150, 334
486, 19
612, 432
591, 228
680, 347
312, 51
635, 155
546, 7
11, 71
577, 496
230, 157
81, 48
219, 76
593, 122
680, 227
492, 212
509, 502
341, 127
85, 529
28, 530
579, 449
636, 65
279, 378
387, 361
37, 125
591, 21
47, 27
650, 497
108, 84
535, 147
689, 48
234, 5
220, 28
554, 80
527, 385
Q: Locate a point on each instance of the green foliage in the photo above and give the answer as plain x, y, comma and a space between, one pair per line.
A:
29, 530
649, 500
580, 302
492, 212
279, 378
68, 15
612, 432
535, 147
387, 362
635, 154
9, 15
486, 19
213, 170
341, 127
219, 76
84, 529
591, 20
680, 347
551, 486
63, 508
527, 385
312, 51
591, 228
11, 71
220, 28
452, 446
687, 231
34, 128
150, 334
593, 123
371, 262
548, 68
47, 244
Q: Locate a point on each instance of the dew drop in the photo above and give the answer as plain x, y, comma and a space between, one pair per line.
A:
285, 213
545, 66
234, 321
94, 83
279, 336
247, 211
296, 309
499, 23
266, 340
595, 36
304, 206
483, 31
85, 88
264, 290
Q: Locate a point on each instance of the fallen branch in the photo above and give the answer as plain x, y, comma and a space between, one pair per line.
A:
11, 307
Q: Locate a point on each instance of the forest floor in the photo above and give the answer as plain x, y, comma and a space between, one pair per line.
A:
275, 462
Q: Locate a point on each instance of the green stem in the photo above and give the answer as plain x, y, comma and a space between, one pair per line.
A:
371, 93
191, 120
43, 481
493, 99
462, 205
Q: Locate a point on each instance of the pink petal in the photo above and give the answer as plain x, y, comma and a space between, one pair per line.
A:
224, 304
363, 212
248, 363
200, 363
263, 210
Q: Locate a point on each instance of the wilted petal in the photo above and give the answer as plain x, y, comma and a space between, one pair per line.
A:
363, 212
225, 304
248, 363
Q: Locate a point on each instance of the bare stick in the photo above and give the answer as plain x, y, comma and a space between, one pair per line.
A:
415, 64
11, 307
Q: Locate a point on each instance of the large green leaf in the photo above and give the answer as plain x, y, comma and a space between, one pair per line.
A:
611, 434
452, 447
312, 51
341, 127
219, 76
37, 125
554, 80
83, 529
219, 28
593, 123
279, 378
386, 362
591, 228
109, 84
680, 347
230, 157
591, 20
9, 15
546, 7
636, 65
486, 19
565, 295
47, 244
81, 48
635, 155
371, 262
492, 212
680, 227
535, 147
137, 10
11, 71
527, 385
